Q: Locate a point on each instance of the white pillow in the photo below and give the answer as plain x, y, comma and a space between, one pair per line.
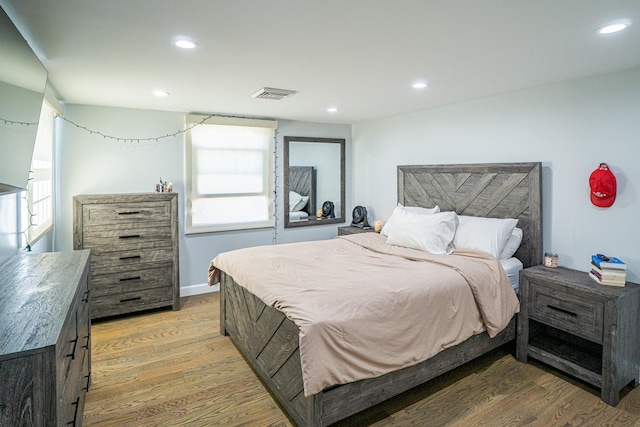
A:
431, 233
301, 204
420, 210
512, 245
294, 199
388, 226
484, 234
297, 202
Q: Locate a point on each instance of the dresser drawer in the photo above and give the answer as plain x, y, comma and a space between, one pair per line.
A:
133, 280
72, 388
71, 400
122, 261
126, 235
567, 312
110, 213
110, 305
67, 349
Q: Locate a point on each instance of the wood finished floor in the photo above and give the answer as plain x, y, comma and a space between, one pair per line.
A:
169, 368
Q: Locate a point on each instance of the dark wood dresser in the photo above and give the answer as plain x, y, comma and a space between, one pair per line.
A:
585, 329
45, 345
134, 250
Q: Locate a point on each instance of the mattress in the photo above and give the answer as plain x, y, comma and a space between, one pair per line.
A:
512, 267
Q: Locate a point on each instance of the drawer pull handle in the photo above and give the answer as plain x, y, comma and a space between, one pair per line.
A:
130, 299
88, 338
126, 279
88, 377
130, 236
75, 412
72, 355
562, 310
129, 213
130, 257
85, 296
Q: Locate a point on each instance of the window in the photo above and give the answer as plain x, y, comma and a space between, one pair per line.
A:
37, 210
229, 173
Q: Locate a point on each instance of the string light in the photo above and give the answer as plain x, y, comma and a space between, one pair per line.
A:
275, 186
156, 139
14, 122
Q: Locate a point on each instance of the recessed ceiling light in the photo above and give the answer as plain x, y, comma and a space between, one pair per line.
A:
184, 43
613, 28
160, 93
419, 85
332, 109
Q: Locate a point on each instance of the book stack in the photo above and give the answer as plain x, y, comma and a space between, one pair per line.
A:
608, 270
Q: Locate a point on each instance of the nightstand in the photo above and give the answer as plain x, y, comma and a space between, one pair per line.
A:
349, 229
577, 326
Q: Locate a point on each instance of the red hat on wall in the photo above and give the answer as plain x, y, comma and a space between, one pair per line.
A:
603, 186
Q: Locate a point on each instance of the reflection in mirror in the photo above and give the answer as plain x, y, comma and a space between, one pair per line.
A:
22, 83
313, 181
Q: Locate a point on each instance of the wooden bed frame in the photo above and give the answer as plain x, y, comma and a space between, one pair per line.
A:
269, 341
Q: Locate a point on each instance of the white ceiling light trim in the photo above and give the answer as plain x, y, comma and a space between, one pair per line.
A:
419, 85
185, 43
613, 28
332, 109
160, 93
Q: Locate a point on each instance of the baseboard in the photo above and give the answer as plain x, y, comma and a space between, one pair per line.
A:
203, 288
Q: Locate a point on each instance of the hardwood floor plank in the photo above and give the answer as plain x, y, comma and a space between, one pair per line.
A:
173, 368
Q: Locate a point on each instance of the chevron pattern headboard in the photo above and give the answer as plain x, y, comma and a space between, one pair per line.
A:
302, 180
495, 190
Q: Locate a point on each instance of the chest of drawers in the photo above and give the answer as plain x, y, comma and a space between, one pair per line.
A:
587, 330
134, 250
45, 350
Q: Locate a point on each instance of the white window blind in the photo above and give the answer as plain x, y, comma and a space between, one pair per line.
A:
38, 214
229, 168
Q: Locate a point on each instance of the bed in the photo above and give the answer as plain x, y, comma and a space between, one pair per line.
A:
270, 341
302, 193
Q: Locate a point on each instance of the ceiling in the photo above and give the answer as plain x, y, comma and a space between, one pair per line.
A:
360, 56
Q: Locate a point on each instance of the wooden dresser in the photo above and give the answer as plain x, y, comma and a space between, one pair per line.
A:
134, 250
45, 345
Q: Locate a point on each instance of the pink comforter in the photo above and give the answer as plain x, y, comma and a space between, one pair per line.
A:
365, 308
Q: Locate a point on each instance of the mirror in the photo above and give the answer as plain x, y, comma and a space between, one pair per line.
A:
22, 83
313, 181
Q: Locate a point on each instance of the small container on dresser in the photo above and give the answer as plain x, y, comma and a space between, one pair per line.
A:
585, 329
134, 250
45, 350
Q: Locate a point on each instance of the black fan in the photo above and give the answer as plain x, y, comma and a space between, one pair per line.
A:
327, 210
360, 217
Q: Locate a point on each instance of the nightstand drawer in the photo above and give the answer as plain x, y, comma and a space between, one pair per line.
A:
350, 229
567, 312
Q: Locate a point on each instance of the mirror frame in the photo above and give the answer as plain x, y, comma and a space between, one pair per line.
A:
340, 216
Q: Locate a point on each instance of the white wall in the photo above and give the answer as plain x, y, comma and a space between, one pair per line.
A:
569, 127
91, 164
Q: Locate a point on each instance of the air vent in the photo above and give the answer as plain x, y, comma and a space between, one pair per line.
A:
273, 93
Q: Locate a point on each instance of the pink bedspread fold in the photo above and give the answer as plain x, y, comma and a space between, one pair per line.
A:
365, 308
